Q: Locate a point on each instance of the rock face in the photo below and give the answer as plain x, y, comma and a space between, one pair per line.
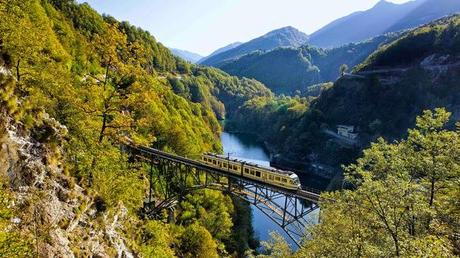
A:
56, 212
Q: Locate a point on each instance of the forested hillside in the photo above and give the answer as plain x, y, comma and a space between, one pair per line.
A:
291, 70
418, 71
400, 197
284, 37
73, 85
283, 70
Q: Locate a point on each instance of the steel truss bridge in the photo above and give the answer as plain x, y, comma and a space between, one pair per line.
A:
175, 176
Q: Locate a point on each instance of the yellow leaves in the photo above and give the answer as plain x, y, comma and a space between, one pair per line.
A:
156, 240
391, 211
197, 242
430, 122
111, 47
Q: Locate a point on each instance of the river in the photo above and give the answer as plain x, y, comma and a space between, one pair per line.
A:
245, 147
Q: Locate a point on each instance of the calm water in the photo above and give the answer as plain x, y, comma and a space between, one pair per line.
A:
245, 147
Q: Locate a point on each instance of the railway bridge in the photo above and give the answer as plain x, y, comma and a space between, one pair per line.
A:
174, 176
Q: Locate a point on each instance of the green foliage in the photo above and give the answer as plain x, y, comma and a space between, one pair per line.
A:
243, 238
440, 37
280, 120
283, 37
230, 90
276, 247
103, 81
13, 243
156, 240
212, 210
196, 241
399, 205
285, 70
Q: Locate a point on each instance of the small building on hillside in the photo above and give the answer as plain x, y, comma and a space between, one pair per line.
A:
347, 131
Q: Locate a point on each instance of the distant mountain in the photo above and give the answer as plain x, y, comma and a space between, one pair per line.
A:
426, 12
283, 70
419, 70
187, 55
221, 50
287, 70
284, 37
363, 25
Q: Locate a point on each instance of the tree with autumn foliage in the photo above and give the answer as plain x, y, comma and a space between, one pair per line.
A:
404, 200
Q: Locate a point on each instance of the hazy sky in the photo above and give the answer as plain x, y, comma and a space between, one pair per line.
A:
202, 26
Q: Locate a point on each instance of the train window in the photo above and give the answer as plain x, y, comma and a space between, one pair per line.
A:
214, 162
235, 167
225, 165
277, 178
284, 180
270, 177
257, 173
246, 170
252, 172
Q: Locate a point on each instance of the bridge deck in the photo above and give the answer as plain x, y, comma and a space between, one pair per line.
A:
147, 152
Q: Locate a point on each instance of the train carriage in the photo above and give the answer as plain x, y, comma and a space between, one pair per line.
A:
280, 178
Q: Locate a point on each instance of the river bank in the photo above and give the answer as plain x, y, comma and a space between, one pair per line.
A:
327, 175
246, 147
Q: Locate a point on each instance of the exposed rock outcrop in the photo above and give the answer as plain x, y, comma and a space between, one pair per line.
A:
55, 211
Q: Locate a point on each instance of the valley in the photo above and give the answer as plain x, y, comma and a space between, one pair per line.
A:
366, 111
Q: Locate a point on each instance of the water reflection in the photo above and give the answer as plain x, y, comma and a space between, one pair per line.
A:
245, 147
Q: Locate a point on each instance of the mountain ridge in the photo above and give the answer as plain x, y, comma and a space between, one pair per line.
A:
282, 37
287, 70
362, 25
221, 50
187, 55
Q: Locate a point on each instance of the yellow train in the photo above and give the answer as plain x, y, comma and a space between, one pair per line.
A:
280, 178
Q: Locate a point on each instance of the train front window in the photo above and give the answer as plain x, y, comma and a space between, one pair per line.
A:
296, 181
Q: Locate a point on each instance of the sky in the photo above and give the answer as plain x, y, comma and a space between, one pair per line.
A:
202, 26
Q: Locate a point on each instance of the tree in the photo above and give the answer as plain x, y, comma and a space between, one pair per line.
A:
196, 241
343, 69
19, 36
12, 242
276, 247
437, 150
403, 199
156, 240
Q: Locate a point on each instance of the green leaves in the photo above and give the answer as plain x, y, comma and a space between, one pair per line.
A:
405, 201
